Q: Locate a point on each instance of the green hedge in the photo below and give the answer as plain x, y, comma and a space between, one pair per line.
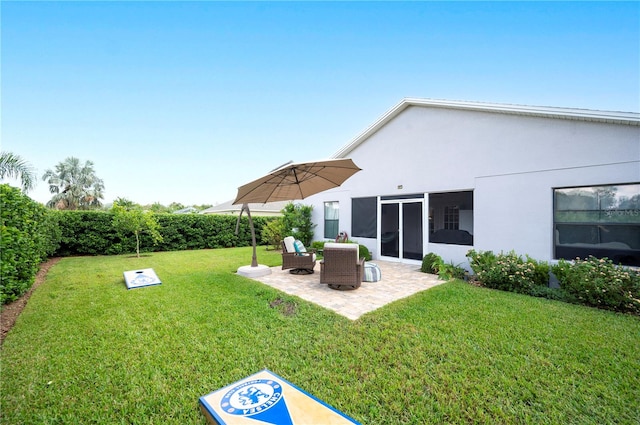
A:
28, 234
92, 233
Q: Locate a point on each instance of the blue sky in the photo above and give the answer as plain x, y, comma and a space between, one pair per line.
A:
186, 101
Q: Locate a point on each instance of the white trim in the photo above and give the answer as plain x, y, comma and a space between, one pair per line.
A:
610, 117
400, 258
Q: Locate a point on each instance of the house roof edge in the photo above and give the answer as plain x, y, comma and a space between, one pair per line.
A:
610, 117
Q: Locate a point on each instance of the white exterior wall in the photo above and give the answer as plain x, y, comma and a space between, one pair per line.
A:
511, 162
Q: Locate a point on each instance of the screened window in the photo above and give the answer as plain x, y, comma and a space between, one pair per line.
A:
364, 217
602, 221
331, 216
451, 218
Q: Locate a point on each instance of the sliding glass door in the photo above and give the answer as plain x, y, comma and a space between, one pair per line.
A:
401, 229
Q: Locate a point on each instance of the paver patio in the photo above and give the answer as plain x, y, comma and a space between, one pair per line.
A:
398, 281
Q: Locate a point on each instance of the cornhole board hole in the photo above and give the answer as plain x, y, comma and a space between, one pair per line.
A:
140, 278
265, 398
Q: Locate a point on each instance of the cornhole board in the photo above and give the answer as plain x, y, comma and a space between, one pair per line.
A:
265, 398
140, 278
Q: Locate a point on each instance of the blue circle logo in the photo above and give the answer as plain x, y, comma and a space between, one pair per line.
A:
252, 397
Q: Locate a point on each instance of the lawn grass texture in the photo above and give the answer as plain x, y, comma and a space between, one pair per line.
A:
87, 350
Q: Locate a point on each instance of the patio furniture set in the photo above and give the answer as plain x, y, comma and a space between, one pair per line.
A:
341, 267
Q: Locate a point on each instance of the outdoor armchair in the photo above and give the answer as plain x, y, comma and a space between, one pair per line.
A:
299, 260
341, 267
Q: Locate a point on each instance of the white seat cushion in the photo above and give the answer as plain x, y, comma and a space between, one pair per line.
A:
288, 244
346, 246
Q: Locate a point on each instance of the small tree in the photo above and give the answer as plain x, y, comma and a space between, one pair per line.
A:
296, 219
136, 221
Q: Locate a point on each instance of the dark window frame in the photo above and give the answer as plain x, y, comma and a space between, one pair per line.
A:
590, 228
445, 220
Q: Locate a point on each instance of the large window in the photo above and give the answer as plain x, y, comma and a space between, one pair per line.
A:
364, 217
603, 221
451, 218
331, 216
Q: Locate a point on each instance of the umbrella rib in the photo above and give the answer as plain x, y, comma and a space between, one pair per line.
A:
297, 182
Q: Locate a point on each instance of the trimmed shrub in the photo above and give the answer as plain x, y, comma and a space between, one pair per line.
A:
597, 282
431, 263
28, 234
447, 271
508, 272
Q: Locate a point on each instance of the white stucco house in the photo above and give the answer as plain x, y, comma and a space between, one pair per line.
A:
449, 176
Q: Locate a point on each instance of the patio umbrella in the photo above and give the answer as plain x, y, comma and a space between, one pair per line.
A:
293, 181
297, 181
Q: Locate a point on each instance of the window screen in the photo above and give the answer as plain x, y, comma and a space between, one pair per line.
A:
451, 218
364, 217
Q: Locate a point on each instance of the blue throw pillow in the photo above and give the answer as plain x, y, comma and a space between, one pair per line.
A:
299, 247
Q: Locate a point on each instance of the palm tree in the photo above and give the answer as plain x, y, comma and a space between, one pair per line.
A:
75, 186
13, 166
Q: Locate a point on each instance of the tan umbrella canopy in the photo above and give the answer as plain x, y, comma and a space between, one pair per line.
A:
292, 181
297, 181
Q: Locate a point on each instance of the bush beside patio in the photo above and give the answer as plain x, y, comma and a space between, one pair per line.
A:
86, 350
595, 282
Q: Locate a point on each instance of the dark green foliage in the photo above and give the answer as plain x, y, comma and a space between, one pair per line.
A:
131, 219
597, 282
430, 263
557, 294
93, 233
508, 272
540, 273
318, 245
28, 235
362, 249
481, 260
364, 252
296, 221
434, 264
273, 232
89, 233
593, 282
448, 271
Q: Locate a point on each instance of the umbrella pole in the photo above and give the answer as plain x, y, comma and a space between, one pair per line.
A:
254, 258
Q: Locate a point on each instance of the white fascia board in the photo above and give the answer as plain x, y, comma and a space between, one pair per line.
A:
609, 117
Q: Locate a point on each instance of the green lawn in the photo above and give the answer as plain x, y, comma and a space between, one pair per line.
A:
87, 350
